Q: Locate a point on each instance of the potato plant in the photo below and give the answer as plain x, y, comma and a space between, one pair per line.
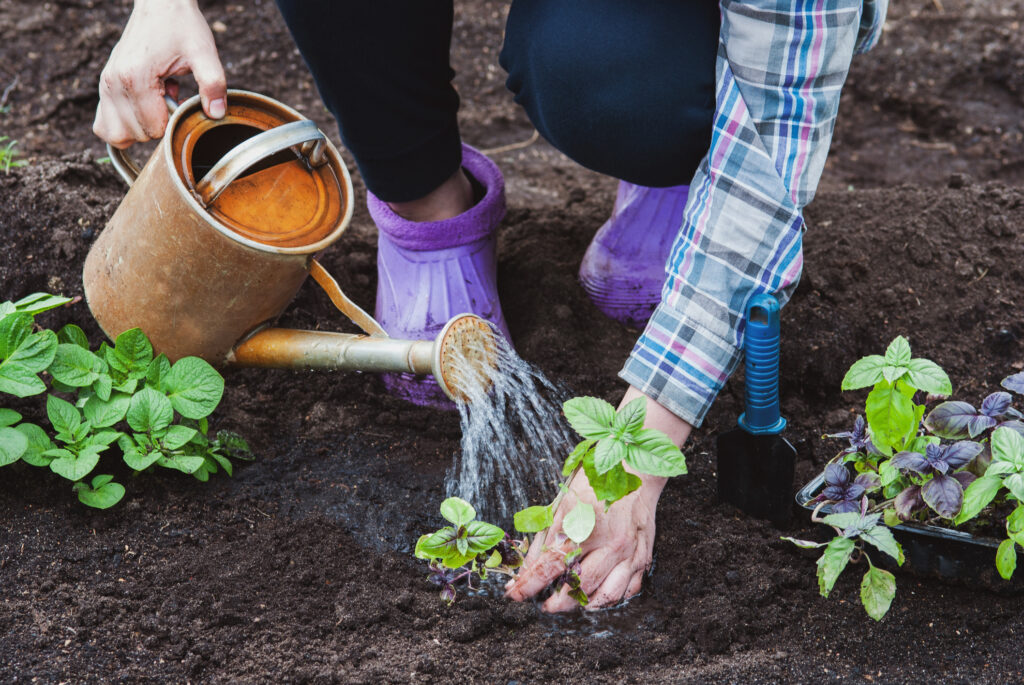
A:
955, 465
154, 411
468, 549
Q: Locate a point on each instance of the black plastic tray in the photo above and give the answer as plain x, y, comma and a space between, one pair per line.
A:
934, 551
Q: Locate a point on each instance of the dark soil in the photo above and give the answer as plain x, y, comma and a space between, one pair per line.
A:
297, 569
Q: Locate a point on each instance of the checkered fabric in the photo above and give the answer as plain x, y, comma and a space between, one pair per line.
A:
781, 67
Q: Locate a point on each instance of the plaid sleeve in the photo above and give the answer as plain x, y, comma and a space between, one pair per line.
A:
781, 66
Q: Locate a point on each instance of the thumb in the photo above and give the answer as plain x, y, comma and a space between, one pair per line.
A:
209, 75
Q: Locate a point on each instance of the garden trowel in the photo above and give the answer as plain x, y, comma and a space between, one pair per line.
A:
755, 463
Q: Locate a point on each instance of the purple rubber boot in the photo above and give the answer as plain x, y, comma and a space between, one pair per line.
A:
623, 270
430, 271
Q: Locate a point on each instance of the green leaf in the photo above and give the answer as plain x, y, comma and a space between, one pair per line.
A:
575, 457
888, 473
458, 511
493, 561
890, 413
442, 545
102, 414
927, 376
877, 590
224, 462
73, 335
579, 523
1015, 521
591, 417
847, 520
132, 353
898, 352
157, 371
9, 417
149, 410
75, 467
612, 486
533, 519
893, 373
608, 452
14, 329
137, 459
832, 562
1008, 446
18, 371
13, 444
177, 436
102, 495
421, 553
655, 454
1006, 558
180, 462
481, 536
891, 518
62, 414
881, 538
1015, 484
104, 386
40, 302
864, 372
38, 443
630, 418
978, 495
194, 387
75, 366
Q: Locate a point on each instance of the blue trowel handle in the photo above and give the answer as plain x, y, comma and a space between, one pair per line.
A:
761, 346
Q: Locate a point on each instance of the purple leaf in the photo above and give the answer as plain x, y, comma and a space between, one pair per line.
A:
911, 461
833, 492
853, 492
959, 453
965, 478
1014, 383
868, 481
996, 404
944, 495
837, 474
977, 425
908, 502
950, 420
845, 507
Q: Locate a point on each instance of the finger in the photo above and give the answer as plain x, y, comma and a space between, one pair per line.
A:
537, 576
209, 75
150, 111
560, 602
107, 126
613, 589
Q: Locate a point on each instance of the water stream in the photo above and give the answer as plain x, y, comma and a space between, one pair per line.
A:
514, 439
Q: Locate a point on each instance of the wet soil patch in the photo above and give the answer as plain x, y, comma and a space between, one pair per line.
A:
296, 569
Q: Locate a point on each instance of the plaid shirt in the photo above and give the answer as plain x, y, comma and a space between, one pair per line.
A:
781, 66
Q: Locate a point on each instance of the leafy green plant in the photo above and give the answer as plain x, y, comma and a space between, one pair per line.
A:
8, 155
948, 468
154, 411
469, 549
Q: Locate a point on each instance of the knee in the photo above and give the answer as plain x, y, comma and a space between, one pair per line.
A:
636, 110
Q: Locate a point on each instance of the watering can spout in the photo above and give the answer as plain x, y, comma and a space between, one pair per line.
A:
461, 357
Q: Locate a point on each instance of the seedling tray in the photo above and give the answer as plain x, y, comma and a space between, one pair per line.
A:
936, 552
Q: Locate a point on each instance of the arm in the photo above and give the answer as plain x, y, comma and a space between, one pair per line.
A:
163, 38
741, 235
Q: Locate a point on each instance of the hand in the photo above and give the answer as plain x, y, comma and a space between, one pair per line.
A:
618, 551
163, 38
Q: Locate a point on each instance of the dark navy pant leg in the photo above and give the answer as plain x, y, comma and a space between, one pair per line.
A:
382, 69
624, 87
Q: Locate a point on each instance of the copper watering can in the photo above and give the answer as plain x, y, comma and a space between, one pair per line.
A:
216, 235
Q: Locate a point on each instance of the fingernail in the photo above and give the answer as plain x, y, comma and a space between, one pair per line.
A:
217, 108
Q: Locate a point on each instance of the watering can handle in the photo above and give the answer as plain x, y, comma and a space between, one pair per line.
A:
346, 306
124, 165
232, 165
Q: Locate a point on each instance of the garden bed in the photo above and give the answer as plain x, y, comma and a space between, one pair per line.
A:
299, 569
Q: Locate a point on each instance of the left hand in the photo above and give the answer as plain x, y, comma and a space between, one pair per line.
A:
618, 551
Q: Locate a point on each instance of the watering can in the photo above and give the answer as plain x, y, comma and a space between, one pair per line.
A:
218, 232
755, 463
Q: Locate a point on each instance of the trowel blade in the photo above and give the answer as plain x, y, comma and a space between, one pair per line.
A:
755, 473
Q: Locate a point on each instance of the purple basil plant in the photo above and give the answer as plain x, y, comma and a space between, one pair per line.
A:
859, 439
844, 491
956, 420
944, 489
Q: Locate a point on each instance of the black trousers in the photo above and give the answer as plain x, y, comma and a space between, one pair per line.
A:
624, 87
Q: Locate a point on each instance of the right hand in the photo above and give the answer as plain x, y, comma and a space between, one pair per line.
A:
163, 38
